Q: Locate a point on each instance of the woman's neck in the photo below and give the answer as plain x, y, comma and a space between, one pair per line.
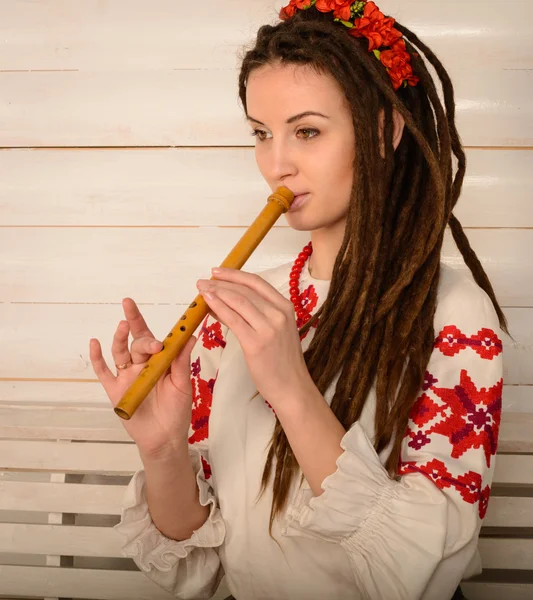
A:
326, 246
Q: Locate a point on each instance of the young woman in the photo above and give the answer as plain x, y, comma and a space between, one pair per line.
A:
331, 432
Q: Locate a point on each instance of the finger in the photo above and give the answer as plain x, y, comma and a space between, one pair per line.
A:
138, 325
100, 368
254, 282
119, 347
216, 317
142, 348
240, 326
243, 300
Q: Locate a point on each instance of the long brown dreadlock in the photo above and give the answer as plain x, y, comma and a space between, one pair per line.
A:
389, 260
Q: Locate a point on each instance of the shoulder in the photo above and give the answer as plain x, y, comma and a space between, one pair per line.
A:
462, 302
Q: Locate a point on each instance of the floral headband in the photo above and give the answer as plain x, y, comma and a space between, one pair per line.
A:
364, 19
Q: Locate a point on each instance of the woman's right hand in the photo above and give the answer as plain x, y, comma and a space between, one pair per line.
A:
161, 422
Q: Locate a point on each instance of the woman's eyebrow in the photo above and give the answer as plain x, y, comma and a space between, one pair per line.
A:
307, 113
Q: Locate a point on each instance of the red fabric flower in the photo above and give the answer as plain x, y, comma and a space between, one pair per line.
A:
376, 27
397, 61
373, 25
288, 11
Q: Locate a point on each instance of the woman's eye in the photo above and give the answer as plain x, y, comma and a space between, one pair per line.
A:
260, 133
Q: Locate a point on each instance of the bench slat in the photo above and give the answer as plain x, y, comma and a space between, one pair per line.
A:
64, 433
516, 433
65, 540
98, 584
102, 424
65, 498
514, 469
102, 458
506, 553
497, 591
123, 459
505, 511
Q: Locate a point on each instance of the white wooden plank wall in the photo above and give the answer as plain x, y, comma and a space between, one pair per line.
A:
126, 169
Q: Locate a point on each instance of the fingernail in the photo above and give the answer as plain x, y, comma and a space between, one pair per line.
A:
155, 344
216, 270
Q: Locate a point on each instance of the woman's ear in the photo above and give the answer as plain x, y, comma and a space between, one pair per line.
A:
398, 123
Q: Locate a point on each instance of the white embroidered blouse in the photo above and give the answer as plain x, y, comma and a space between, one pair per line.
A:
367, 536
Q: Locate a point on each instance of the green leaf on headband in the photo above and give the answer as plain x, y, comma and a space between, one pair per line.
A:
377, 53
357, 9
346, 23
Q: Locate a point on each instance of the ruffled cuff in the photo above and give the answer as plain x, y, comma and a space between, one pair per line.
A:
146, 544
360, 499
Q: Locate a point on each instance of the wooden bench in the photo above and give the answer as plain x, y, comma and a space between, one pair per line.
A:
62, 475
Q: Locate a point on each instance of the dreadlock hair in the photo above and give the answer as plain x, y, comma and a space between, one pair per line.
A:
377, 319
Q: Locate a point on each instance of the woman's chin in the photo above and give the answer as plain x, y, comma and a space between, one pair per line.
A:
298, 222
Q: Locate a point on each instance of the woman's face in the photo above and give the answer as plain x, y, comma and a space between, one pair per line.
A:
310, 154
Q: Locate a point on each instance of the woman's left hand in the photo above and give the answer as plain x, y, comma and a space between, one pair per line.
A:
264, 323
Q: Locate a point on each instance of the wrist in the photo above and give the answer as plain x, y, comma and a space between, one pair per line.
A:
296, 399
169, 453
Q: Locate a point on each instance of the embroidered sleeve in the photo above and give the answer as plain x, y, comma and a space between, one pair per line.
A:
414, 537
189, 568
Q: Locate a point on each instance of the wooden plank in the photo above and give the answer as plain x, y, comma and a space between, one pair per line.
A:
516, 398
111, 187
66, 498
61, 422
31, 331
516, 433
97, 584
101, 458
513, 469
497, 591
101, 424
62, 540
503, 511
506, 511
64, 433
129, 34
169, 108
501, 553
162, 271
54, 392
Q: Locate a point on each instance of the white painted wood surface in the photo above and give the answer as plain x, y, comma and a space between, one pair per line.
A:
168, 187
79, 108
134, 35
81, 227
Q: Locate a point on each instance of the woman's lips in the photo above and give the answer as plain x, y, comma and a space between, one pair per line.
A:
298, 200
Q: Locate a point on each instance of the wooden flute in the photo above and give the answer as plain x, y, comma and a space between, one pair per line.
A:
278, 203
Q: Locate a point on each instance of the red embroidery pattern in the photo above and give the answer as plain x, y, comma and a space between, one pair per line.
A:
202, 396
471, 417
202, 389
468, 485
206, 467
452, 340
309, 299
211, 336
468, 417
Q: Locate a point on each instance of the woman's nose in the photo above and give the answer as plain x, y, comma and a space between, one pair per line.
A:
282, 161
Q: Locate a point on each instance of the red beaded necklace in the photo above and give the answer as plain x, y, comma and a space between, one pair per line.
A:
294, 279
